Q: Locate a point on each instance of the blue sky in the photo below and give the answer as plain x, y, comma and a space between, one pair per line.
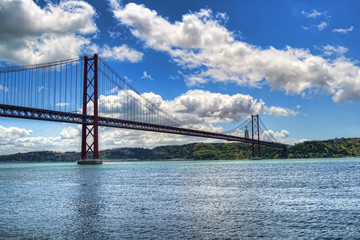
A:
296, 63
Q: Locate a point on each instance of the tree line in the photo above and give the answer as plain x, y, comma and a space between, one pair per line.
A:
334, 148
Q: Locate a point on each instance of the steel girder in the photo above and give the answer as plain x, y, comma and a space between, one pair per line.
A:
48, 115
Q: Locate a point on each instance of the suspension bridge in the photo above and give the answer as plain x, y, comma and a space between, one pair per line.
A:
89, 92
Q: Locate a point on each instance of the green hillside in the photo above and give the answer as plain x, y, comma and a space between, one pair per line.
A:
334, 148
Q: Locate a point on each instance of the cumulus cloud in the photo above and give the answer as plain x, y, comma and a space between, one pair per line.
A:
117, 138
202, 43
343, 30
195, 31
199, 106
14, 139
12, 133
121, 53
280, 112
283, 136
31, 34
196, 107
70, 133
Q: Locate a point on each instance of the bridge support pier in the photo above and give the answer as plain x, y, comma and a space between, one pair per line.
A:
256, 155
89, 161
90, 95
284, 153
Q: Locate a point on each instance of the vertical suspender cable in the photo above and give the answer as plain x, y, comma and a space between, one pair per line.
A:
14, 90
1, 85
76, 85
71, 85
23, 74
35, 88
18, 88
60, 96
6, 88
54, 88
48, 83
10, 86
43, 87
81, 79
66, 102
30, 87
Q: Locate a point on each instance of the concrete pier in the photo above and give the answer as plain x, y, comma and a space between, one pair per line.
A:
90, 161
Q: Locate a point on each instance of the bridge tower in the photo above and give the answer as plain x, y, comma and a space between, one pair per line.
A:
90, 135
255, 136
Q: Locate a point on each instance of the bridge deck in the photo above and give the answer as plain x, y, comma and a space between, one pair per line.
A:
49, 115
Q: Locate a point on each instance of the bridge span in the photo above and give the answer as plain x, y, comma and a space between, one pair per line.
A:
68, 91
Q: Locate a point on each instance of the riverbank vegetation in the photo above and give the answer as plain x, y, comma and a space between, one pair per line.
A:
334, 148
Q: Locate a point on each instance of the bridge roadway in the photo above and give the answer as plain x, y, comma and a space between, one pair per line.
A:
57, 116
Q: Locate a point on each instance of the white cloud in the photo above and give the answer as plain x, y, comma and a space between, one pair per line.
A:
12, 133
195, 31
313, 14
201, 43
321, 26
114, 34
195, 107
305, 28
343, 30
198, 106
223, 16
202, 110
2, 88
70, 133
14, 140
146, 76
62, 104
334, 50
39, 89
121, 53
280, 112
283, 136
30, 34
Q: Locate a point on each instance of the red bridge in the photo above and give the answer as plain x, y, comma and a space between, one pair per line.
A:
69, 91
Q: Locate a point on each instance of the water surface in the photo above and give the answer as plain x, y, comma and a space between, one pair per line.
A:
290, 199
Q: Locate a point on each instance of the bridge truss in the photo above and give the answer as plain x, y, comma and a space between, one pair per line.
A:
44, 102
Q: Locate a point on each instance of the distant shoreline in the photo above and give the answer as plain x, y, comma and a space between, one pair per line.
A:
184, 160
333, 148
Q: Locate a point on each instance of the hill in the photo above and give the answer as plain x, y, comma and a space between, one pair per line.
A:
333, 148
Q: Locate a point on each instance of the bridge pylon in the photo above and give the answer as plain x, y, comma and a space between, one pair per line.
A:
255, 136
90, 132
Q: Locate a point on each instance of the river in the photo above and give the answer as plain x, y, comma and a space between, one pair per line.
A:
279, 199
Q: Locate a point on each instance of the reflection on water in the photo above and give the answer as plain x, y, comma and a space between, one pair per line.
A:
88, 202
182, 200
